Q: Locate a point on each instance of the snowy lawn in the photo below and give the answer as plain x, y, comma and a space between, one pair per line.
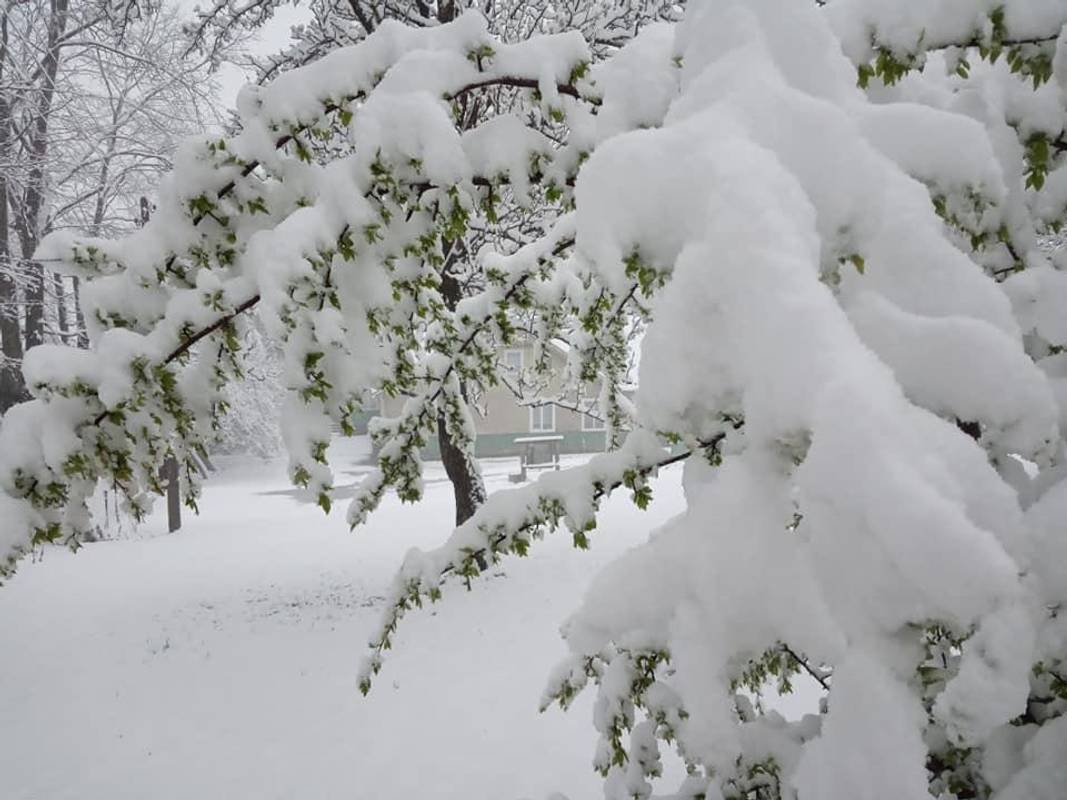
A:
220, 662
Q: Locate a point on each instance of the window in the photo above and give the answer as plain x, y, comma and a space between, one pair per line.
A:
513, 360
590, 423
543, 418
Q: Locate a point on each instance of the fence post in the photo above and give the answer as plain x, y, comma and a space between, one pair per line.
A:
169, 474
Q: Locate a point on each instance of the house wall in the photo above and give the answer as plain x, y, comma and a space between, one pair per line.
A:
505, 419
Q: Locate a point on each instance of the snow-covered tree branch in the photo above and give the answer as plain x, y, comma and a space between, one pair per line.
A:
829, 221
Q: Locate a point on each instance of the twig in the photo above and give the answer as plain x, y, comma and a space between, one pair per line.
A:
806, 667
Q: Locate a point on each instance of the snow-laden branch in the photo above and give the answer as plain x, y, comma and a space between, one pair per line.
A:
512, 519
813, 264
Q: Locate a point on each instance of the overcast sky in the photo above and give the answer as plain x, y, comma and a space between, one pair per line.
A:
272, 37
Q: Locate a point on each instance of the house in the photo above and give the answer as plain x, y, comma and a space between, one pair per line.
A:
500, 417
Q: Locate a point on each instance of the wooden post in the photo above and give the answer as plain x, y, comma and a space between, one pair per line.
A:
169, 474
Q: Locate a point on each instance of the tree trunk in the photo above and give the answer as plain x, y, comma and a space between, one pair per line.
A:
446, 11
12, 386
82, 339
60, 289
34, 304
29, 218
467, 485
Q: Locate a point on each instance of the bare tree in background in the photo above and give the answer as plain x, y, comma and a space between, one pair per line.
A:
606, 24
94, 98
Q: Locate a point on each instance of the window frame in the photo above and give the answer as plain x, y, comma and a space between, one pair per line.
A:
540, 410
522, 359
592, 425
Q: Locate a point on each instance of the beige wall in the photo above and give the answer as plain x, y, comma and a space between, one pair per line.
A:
503, 412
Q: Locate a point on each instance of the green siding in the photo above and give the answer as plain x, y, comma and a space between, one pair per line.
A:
361, 418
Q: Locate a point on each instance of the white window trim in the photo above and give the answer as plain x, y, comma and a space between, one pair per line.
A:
552, 408
593, 425
522, 357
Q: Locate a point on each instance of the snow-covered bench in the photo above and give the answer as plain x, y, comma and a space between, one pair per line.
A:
527, 458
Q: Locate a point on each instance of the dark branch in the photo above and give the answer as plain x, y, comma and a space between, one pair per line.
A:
186, 345
518, 83
806, 667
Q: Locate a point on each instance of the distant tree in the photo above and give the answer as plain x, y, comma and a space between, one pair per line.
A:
91, 109
829, 218
606, 24
253, 404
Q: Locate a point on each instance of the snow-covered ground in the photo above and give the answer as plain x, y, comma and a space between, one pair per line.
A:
220, 662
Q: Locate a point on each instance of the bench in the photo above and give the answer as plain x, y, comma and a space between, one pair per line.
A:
527, 458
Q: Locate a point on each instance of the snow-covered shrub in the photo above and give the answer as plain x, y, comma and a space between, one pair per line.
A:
828, 216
